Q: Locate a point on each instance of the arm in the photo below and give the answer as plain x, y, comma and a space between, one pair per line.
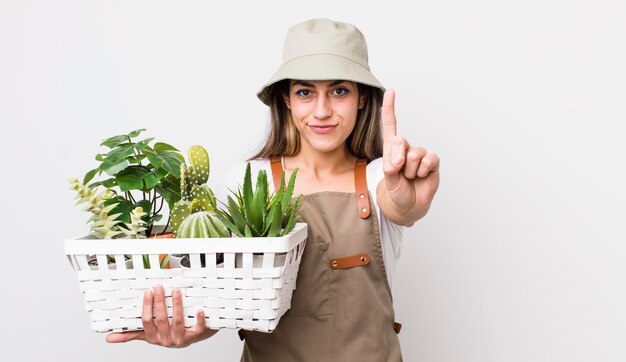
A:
411, 173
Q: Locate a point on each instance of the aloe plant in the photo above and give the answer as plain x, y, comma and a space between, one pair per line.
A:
259, 213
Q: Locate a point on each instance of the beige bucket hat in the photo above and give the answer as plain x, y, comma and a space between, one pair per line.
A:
323, 49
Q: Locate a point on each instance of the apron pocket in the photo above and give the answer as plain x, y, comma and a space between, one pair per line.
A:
312, 294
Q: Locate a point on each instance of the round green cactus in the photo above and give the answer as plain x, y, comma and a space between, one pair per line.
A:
202, 224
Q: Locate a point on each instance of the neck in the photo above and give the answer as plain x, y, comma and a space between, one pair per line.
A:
321, 163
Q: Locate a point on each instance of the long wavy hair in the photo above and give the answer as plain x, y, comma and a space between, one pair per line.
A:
283, 138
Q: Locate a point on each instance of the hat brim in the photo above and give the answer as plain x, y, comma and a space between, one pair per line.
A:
320, 67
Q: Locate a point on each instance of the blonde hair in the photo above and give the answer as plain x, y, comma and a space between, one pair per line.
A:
283, 138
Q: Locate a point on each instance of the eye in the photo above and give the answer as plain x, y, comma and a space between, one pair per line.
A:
303, 93
340, 91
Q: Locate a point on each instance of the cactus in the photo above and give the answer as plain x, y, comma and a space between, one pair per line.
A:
202, 224
196, 195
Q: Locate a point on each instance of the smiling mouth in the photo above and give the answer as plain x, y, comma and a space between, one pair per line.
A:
322, 129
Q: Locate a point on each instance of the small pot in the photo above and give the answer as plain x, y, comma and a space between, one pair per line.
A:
167, 235
185, 263
93, 263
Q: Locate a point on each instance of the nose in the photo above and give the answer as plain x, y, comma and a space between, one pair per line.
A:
323, 107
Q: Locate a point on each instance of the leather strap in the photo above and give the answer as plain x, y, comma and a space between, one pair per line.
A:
349, 261
276, 163
397, 327
360, 185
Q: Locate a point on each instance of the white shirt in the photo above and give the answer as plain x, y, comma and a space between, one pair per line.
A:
390, 233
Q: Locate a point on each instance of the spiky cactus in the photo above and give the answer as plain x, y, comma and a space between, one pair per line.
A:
202, 224
196, 195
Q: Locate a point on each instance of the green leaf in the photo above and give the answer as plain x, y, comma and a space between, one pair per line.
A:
108, 183
100, 157
136, 132
168, 160
259, 200
120, 152
112, 168
169, 189
223, 217
238, 217
247, 232
135, 159
247, 192
89, 176
124, 207
275, 220
172, 161
161, 146
143, 143
289, 192
132, 178
114, 141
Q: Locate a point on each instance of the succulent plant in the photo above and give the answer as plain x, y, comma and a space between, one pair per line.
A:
202, 224
259, 213
196, 196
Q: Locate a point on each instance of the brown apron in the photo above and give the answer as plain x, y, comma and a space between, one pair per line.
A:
342, 307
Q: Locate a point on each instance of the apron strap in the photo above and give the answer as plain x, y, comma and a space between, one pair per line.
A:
360, 183
276, 163
360, 186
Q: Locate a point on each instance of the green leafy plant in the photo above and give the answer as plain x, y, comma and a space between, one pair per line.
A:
258, 213
137, 179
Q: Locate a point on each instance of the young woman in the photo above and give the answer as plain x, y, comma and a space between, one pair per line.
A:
362, 183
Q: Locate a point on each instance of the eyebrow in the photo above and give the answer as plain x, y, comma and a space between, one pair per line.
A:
307, 84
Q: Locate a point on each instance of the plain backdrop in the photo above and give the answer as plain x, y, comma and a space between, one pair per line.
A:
522, 256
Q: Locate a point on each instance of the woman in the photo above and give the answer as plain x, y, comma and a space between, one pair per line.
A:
331, 121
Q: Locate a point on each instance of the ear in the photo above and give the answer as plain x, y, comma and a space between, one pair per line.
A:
362, 101
286, 99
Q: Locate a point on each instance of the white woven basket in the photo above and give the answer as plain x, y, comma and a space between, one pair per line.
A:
250, 290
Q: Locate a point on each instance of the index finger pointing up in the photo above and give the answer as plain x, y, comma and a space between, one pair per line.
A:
389, 115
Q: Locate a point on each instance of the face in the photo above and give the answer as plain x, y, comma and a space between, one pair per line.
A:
324, 112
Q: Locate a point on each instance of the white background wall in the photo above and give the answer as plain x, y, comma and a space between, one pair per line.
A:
522, 256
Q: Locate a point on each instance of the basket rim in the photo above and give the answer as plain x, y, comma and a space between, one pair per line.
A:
85, 245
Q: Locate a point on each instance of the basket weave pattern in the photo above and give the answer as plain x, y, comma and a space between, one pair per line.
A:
250, 290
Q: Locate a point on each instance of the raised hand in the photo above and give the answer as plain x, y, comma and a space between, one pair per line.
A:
159, 330
411, 173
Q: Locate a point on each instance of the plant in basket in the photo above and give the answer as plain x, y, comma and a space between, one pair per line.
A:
193, 216
137, 179
260, 213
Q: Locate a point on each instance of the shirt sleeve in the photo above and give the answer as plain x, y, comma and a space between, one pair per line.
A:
390, 234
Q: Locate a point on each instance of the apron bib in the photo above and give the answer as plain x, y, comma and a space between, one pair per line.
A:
341, 309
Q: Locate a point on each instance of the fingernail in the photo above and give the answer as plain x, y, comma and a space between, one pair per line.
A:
175, 292
158, 290
201, 313
147, 293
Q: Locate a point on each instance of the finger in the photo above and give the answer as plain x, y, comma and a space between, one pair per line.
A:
413, 158
200, 322
388, 116
429, 163
178, 315
392, 168
125, 337
147, 316
160, 313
